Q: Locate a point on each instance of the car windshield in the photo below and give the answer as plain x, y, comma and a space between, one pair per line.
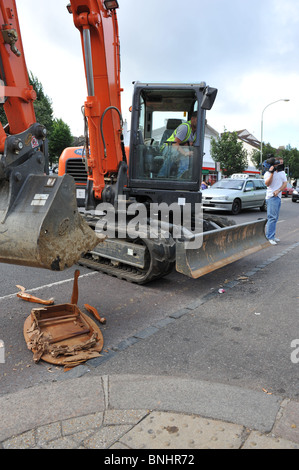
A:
229, 184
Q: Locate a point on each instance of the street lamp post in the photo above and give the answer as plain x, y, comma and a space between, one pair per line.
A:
261, 161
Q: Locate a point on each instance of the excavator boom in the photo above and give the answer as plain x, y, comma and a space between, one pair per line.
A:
98, 29
39, 222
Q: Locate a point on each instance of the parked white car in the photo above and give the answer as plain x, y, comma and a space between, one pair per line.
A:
234, 194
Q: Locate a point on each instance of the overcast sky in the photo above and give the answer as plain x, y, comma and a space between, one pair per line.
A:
248, 49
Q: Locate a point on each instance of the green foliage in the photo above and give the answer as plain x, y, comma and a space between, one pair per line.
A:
42, 105
58, 132
290, 157
229, 152
256, 154
3, 119
61, 138
291, 161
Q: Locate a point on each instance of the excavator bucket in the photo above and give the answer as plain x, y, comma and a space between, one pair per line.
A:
40, 225
220, 247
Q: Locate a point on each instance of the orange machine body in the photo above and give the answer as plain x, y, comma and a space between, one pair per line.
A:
18, 105
98, 28
100, 45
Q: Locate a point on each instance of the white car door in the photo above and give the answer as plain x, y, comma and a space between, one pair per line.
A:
249, 196
260, 191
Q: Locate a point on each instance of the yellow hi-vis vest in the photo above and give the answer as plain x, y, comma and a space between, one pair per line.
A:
189, 130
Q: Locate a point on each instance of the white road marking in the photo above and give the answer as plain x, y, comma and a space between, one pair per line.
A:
10, 296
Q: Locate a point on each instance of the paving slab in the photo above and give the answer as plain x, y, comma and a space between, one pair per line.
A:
179, 431
260, 441
288, 424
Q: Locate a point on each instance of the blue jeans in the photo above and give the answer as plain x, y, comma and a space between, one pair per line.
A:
173, 163
273, 208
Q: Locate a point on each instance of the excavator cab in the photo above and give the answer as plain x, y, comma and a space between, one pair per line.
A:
156, 165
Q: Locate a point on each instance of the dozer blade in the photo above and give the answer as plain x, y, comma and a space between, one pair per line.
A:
41, 226
220, 247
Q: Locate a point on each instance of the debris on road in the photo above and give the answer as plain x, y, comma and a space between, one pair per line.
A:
95, 313
32, 298
62, 334
242, 278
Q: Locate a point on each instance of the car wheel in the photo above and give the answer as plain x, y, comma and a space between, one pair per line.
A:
263, 208
286, 194
236, 207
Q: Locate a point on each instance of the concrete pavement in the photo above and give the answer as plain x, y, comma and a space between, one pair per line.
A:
143, 412
89, 409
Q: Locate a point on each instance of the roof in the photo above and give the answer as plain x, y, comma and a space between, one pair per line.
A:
248, 138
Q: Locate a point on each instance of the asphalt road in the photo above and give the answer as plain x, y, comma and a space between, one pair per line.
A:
205, 347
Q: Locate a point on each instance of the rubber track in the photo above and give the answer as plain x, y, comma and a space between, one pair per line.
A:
161, 256
161, 261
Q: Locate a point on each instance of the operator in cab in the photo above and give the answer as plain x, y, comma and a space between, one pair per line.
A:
175, 148
185, 133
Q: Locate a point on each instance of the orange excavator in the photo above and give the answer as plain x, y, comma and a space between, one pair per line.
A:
141, 213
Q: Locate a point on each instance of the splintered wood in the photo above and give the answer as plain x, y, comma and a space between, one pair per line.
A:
62, 334
32, 298
65, 339
95, 313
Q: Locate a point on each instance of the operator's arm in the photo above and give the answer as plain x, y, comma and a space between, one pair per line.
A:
181, 148
180, 137
177, 141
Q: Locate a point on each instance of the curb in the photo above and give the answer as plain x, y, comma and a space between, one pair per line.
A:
115, 410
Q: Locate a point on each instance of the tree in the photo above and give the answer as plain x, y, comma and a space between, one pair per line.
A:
229, 152
256, 154
290, 157
61, 138
291, 161
58, 132
42, 106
